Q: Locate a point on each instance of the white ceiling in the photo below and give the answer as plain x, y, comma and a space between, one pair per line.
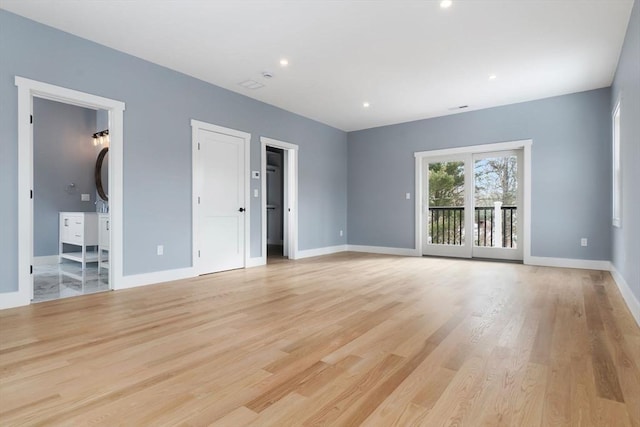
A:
409, 59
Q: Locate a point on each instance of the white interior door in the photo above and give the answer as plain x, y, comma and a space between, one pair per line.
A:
221, 207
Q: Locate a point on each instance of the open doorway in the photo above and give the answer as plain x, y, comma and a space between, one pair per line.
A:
275, 203
29, 91
70, 212
279, 201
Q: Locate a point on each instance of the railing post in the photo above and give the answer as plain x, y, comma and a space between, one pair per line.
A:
497, 225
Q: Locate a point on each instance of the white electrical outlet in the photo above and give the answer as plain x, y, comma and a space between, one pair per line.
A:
408, 196
341, 233
255, 192
160, 250
583, 241
85, 197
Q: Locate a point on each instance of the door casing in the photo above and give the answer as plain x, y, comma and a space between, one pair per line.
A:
290, 213
27, 90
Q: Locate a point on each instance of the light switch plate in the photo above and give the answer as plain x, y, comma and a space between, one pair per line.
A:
255, 174
408, 196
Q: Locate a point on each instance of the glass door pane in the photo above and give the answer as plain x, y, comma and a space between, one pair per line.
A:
496, 196
445, 221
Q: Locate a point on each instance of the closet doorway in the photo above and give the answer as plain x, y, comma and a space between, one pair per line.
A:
279, 201
275, 203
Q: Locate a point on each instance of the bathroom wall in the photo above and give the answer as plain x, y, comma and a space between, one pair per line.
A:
64, 160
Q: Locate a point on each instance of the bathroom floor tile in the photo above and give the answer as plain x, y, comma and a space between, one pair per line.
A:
67, 280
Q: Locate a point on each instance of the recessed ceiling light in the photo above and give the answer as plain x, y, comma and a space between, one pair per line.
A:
365, 104
444, 4
284, 62
492, 77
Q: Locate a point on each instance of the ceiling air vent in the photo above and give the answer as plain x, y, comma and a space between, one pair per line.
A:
251, 84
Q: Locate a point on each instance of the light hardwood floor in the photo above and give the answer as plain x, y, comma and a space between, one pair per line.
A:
346, 340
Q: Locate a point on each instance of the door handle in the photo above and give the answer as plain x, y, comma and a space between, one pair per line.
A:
241, 210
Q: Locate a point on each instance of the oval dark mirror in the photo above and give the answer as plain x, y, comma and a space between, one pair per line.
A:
98, 174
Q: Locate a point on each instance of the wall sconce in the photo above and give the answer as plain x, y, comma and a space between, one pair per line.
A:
101, 138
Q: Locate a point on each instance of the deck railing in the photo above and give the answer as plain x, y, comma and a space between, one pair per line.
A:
446, 226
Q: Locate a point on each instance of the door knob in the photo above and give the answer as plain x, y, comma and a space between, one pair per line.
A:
241, 210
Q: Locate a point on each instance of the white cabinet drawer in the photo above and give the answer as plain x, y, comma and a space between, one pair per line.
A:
75, 230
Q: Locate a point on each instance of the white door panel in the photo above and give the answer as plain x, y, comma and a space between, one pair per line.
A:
221, 207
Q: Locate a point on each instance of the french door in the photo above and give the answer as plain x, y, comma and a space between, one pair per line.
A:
472, 205
447, 202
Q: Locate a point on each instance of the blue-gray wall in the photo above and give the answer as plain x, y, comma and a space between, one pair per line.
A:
571, 172
102, 120
62, 154
626, 239
157, 145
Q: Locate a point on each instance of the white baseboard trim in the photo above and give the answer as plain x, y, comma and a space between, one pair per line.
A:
584, 264
383, 250
13, 299
320, 251
46, 260
625, 290
256, 262
156, 277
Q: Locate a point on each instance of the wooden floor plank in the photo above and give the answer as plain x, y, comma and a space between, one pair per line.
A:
347, 339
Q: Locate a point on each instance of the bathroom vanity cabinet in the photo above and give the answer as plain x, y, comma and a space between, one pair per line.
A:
79, 229
103, 241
